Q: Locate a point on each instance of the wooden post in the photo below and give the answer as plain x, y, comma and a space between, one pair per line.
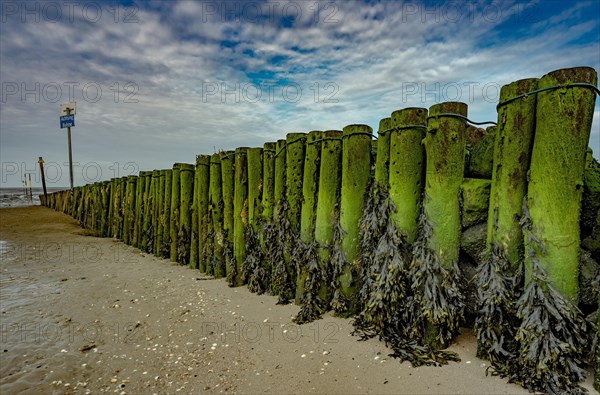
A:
203, 163
294, 160
174, 209
330, 178
240, 212
227, 181
514, 137
165, 236
356, 177
129, 209
278, 281
216, 211
160, 223
186, 175
194, 262
406, 168
310, 186
562, 132
445, 146
382, 164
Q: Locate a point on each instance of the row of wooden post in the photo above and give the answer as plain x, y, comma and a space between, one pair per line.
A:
197, 214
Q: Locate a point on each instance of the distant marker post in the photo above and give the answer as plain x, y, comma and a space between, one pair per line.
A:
67, 119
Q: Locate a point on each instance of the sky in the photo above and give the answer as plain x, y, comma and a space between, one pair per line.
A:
159, 82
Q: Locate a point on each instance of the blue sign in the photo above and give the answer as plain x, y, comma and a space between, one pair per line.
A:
67, 121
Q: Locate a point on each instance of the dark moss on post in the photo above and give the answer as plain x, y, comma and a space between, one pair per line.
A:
203, 202
186, 175
356, 178
382, 163
562, 132
174, 211
514, 137
310, 184
217, 261
407, 163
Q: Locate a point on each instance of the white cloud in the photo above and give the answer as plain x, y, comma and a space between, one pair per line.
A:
370, 57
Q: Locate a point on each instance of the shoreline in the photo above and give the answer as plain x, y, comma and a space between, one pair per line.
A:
82, 314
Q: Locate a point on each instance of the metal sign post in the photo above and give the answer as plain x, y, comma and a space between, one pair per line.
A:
67, 120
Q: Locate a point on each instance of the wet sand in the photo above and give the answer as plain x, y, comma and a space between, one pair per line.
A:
82, 314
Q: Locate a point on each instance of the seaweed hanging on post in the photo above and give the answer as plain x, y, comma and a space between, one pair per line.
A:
551, 335
438, 300
384, 258
312, 305
285, 243
496, 322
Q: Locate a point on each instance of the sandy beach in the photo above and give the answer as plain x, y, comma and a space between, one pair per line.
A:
82, 314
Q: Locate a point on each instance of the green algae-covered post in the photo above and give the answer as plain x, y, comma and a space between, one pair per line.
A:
158, 241
228, 186
118, 216
356, 177
382, 164
308, 214
268, 181
122, 205
105, 202
216, 210
194, 232
278, 198
328, 199
203, 169
155, 208
147, 229
255, 182
268, 205
514, 137
159, 211
146, 221
111, 207
186, 176
406, 168
165, 236
240, 212
445, 146
562, 132
139, 207
129, 209
294, 161
174, 210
